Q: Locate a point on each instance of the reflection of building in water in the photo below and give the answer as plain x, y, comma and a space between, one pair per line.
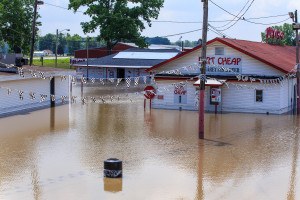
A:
20, 145
251, 77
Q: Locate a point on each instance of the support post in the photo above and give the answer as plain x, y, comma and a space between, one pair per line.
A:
52, 91
203, 69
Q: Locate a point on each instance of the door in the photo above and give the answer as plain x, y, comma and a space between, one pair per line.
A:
120, 73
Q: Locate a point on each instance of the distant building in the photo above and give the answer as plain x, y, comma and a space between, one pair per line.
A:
101, 51
43, 53
129, 63
242, 76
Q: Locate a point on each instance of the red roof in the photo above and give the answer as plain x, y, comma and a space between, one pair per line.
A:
282, 58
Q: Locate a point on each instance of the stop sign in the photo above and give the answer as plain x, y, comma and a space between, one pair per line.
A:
149, 92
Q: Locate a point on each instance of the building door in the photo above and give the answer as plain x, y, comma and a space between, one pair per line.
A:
120, 73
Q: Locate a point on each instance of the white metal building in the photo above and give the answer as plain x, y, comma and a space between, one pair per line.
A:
24, 93
129, 63
253, 77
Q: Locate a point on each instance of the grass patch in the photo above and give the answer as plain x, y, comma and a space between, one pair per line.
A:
61, 63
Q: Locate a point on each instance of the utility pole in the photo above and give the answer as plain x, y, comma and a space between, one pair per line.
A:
87, 57
203, 69
297, 64
36, 3
56, 43
56, 46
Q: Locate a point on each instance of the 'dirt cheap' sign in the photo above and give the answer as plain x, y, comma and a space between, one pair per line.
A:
223, 65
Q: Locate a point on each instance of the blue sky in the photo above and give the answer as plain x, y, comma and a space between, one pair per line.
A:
54, 18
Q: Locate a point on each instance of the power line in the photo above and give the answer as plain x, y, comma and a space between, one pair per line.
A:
236, 15
233, 40
176, 34
267, 24
233, 14
178, 22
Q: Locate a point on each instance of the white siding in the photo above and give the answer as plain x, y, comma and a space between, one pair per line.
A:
249, 64
12, 102
243, 99
287, 99
168, 101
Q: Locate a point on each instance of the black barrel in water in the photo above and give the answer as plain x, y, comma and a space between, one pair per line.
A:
113, 168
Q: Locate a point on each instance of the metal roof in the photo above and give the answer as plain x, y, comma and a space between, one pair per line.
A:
113, 61
146, 55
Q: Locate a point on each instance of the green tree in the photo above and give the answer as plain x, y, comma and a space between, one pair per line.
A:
158, 40
74, 42
118, 20
16, 20
47, 42
289, 35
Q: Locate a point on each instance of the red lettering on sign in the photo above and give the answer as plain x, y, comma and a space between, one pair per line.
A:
180, 90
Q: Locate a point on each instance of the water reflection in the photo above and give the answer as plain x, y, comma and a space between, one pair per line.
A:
59, 153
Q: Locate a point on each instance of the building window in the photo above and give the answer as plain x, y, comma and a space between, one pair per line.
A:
258, 95
219, 50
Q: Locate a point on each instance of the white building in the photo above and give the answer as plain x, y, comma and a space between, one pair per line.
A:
126, 64
242, 76
29, 92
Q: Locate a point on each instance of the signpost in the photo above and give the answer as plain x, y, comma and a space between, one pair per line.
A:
149, 94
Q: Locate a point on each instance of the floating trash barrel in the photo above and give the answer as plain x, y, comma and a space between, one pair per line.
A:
112, 168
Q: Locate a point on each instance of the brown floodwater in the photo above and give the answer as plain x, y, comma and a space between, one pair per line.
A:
59, 153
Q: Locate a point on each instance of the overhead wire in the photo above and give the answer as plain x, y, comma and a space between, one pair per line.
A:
178, 22
239, 18
235, 16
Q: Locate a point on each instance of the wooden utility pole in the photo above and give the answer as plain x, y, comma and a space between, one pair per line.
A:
87, 57
203, 69
33, 32
297, 64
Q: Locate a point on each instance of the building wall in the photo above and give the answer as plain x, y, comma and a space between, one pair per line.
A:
100, 52
165, 98
105, 72
249, 64
276, 98
243, 99
12, 102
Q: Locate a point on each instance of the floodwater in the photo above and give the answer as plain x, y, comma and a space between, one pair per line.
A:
59, 153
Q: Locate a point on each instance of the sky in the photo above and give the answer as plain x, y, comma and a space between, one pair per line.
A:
53, 18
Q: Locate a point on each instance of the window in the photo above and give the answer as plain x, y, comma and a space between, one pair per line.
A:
259, 95
219, 50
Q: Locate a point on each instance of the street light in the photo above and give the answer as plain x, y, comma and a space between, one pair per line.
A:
56, 43
36, 3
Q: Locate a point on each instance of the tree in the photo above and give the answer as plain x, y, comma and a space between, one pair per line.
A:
289, 35
47, 42
16, 20
118, 20
74, 42
158, 40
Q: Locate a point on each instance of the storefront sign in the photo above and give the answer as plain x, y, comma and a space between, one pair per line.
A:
274, 34
223, 65
215, 95
180, 90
